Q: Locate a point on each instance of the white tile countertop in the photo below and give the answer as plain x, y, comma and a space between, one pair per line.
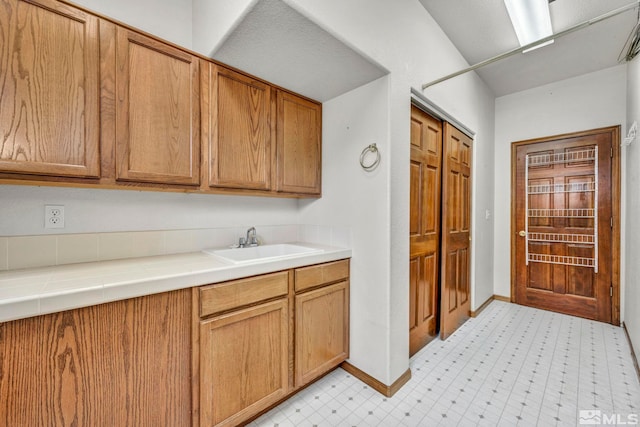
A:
31, 292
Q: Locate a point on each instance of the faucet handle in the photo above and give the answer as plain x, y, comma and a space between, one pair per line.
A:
242, 242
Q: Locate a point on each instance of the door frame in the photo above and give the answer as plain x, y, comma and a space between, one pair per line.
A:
615, 209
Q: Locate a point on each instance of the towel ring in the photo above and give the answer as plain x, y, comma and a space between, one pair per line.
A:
371, 148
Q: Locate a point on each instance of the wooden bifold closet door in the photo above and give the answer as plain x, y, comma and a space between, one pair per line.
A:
440, 223
424, 228
456, 230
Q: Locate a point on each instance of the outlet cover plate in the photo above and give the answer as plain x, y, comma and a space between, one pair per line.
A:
54, 216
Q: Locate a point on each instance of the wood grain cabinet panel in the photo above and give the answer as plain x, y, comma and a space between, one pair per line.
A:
321, 274
322, 331
299, 145
251, 358
49, 89
84, 97
126, 363
238, 293
239, 127
157, 111
244, 364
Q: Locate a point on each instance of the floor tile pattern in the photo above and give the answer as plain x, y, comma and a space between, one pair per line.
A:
510, 366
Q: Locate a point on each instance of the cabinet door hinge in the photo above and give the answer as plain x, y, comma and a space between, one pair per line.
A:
612, 152
612, 223
611, 291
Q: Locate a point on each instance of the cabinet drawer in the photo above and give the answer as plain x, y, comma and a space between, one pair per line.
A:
308, 277
227, 296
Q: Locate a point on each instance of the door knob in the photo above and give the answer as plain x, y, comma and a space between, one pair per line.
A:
522, 233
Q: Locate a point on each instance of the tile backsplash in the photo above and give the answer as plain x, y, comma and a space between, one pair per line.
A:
17, 252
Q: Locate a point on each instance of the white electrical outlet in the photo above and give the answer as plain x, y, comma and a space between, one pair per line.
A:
54, 216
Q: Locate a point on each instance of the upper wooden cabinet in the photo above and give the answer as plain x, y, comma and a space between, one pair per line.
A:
238, 125
49, 89
84, 97
299, 146
157, 111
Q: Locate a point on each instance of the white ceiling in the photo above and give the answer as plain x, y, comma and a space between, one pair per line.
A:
278, 44
275, 42
481, 29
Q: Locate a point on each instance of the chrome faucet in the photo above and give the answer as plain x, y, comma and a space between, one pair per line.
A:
251, 239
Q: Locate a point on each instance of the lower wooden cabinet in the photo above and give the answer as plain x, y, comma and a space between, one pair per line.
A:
270, 341
244, 363
126, 363
322, 331
215, 355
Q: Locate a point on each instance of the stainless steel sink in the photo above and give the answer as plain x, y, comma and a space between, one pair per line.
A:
262, 253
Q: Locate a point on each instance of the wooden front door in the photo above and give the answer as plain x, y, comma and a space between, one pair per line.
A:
456, 230
564, 253
424, 228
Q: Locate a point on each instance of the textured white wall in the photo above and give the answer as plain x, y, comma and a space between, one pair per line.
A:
97, 211
403, 38
359, 200
586, 102
168, 19
632, 178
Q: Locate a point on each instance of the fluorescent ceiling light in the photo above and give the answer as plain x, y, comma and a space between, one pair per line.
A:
531, 20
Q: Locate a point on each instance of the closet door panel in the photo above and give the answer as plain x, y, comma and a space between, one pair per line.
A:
424, 230
456, 230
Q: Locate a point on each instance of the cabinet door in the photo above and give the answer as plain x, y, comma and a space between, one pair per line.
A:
157, 112
299, 145
49, 65
243, 363
125, 363
322, 331
240, 151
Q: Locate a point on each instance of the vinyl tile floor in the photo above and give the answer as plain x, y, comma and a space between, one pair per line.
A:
510, 366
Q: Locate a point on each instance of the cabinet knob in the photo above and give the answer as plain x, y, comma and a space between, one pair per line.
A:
522, 233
